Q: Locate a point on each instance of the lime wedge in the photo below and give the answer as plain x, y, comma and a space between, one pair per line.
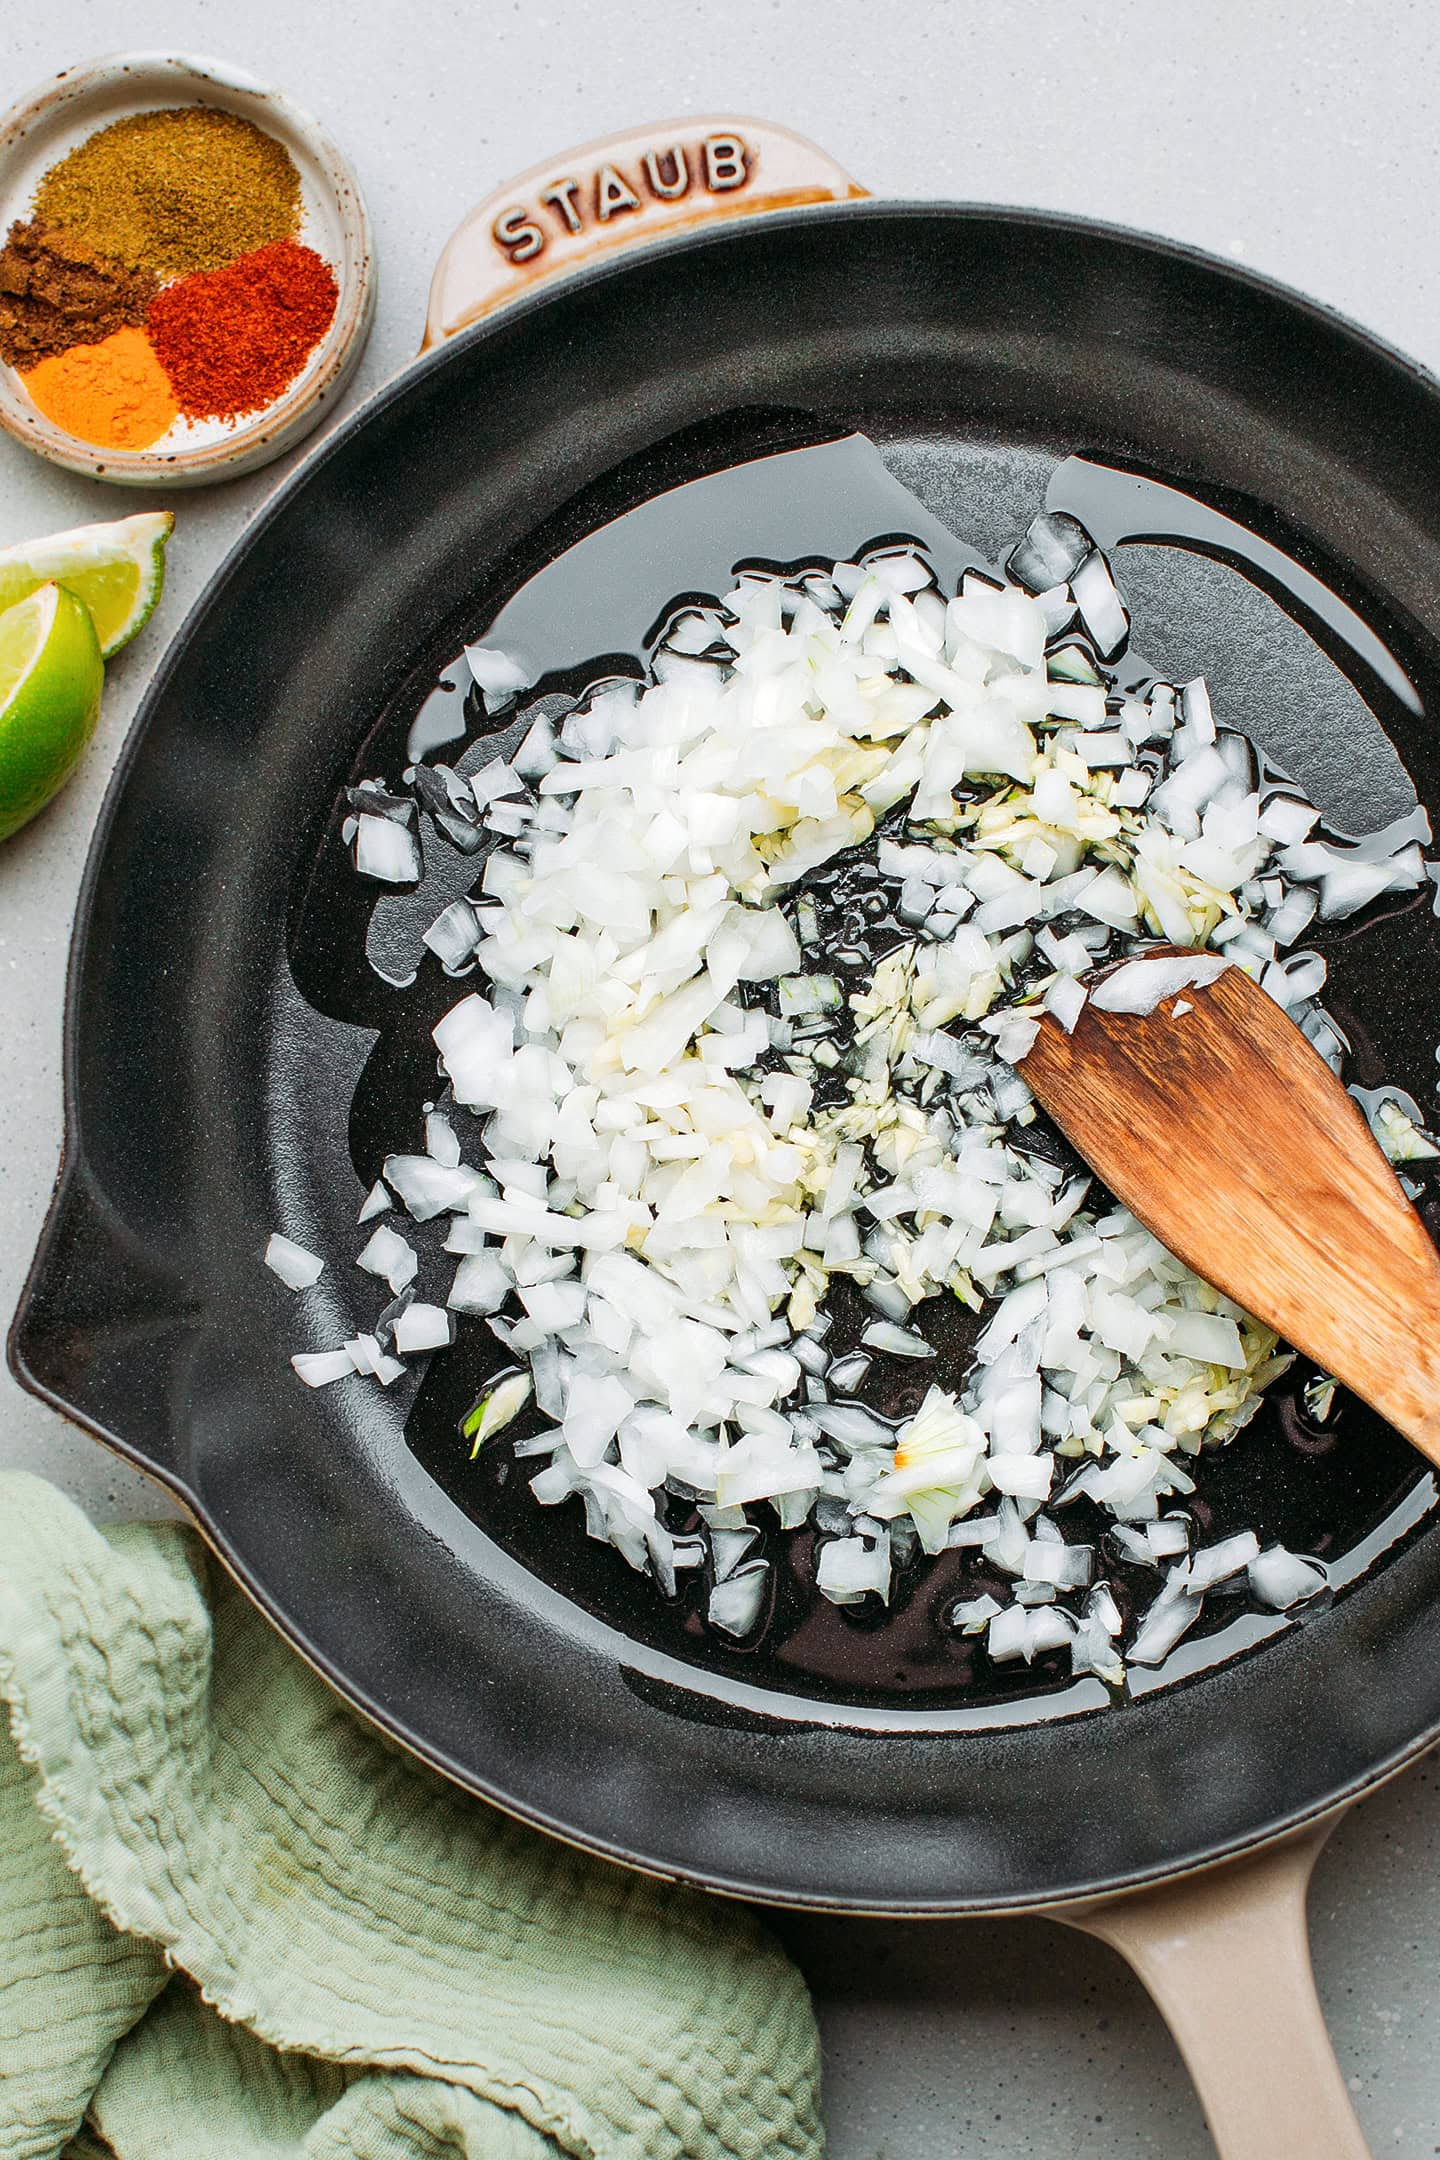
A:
117, 570
50, 677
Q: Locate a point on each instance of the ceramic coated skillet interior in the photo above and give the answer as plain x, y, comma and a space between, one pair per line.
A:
209, 1094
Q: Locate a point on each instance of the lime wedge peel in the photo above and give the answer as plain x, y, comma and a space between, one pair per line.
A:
51, 674
117, 570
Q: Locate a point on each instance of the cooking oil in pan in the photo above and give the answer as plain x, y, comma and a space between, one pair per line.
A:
1207, 595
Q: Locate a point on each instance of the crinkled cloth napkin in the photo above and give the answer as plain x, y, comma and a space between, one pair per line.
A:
235, 1924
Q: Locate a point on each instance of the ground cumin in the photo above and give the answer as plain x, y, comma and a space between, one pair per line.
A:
55, 292
185, 188
114, 394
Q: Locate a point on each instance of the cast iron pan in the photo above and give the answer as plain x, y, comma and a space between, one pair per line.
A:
212, 1061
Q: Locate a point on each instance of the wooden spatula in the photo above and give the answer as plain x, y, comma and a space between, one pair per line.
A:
1231, 1139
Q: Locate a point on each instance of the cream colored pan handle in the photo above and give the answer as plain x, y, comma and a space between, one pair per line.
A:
1224, 1953
1226, 1956
614, 195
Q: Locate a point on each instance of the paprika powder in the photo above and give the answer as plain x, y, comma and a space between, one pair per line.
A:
232, 340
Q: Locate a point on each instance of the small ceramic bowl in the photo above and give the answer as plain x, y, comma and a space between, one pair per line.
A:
35, 134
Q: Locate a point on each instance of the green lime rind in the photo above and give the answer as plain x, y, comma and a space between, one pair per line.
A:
51, 674
116, 569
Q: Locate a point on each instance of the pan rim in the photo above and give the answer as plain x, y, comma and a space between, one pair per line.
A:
718, 1884
334, 444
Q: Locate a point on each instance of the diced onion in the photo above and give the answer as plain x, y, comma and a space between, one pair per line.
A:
317, 1368
422, 1327
296, 1267
385, 851
1140, 985
1281, 1579
497, 675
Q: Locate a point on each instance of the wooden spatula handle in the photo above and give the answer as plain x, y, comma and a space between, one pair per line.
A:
1228, 1135
1226, 1956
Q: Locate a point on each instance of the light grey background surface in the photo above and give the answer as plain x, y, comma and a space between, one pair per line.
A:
1300, 139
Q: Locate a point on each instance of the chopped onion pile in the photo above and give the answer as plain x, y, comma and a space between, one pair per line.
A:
761, 938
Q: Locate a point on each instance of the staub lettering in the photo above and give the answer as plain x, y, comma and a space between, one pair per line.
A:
717, 165
666, 173
521, 239
612, 195
724, 163
561, 199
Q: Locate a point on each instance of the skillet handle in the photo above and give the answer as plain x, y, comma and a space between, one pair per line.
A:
1226, 1956
616, 194
104, 1329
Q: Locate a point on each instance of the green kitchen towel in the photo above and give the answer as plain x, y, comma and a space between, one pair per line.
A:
236, 1924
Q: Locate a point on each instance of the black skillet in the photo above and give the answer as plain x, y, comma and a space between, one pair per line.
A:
209, 1082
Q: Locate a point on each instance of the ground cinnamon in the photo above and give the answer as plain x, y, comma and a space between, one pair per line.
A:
55, 292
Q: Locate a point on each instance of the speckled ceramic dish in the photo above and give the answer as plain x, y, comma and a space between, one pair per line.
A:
45, 126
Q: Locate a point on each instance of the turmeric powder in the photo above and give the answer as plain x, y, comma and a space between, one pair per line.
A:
114, 394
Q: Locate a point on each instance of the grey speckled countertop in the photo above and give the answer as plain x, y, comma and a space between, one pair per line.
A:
1299, 139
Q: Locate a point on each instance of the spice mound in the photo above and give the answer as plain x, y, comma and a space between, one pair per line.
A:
115, 393
161, 279
230, 340
188, 188
56, 292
